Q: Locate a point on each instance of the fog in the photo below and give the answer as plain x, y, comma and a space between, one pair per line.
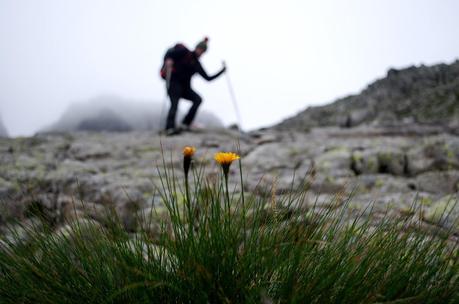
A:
281, 56
111, 113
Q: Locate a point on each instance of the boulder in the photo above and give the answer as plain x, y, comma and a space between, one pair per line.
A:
379, 160
21, 231
272, 156
391, 161
384, 183
438, 154
445, 212
79, 227
365, 162
336, 162
440, 182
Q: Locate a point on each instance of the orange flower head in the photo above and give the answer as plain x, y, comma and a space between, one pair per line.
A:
189, 151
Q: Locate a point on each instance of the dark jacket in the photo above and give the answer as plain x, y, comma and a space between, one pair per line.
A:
186, 64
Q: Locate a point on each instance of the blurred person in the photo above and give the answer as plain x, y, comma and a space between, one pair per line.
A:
180, 64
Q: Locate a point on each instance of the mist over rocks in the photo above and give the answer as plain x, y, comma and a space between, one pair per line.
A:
423, 95
115, 114
3, 131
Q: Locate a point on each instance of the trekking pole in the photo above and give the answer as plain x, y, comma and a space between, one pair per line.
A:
161, 115
233, 99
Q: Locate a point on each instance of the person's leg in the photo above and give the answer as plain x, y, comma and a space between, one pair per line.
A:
174, 95
191, 95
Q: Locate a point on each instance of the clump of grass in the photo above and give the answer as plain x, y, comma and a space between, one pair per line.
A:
221, 246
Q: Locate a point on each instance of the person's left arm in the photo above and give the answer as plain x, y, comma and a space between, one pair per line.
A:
204, 75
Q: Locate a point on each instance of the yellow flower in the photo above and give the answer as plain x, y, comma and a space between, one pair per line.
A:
189, 151
226, 158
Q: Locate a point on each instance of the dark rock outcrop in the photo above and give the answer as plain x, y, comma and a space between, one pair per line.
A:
105, 120
421, 95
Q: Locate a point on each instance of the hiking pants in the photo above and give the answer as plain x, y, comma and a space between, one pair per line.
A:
177, 91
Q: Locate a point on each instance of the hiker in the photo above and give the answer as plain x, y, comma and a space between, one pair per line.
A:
180, 64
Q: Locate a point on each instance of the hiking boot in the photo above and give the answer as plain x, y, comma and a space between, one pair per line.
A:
172, 132
188, 128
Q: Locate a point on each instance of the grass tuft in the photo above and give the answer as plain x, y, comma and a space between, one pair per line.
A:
220, 247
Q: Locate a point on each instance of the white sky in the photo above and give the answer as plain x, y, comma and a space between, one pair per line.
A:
282, 56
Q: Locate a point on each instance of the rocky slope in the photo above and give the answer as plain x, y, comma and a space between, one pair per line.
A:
393, 145
391, 167
423, 95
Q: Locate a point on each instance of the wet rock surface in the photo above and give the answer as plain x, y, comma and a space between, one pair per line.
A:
67, 177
